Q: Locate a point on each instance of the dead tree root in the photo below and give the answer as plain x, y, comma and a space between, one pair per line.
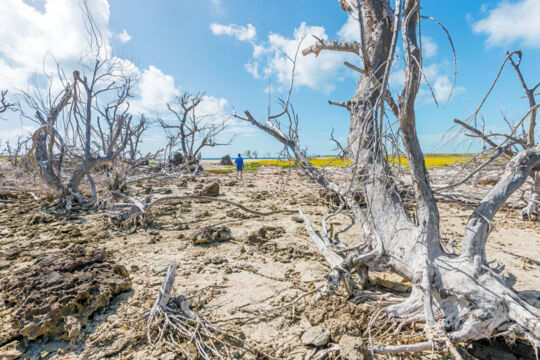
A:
456, 300
171, 323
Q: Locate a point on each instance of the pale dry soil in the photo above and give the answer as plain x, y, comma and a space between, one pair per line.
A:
233, 278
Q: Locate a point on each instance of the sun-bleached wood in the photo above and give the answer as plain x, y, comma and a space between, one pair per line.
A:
459, 296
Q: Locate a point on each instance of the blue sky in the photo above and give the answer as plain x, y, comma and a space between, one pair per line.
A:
230, 48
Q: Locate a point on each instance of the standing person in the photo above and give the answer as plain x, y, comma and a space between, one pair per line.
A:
239, 166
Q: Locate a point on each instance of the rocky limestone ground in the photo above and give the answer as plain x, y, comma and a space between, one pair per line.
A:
74, 287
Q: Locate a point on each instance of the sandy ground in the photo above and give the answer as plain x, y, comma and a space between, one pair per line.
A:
234, 278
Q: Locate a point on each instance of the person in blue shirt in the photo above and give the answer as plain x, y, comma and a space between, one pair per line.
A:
239, 166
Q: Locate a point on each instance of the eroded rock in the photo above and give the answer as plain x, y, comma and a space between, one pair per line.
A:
56, 295
209, 190
41, 218
210, 234
297, 218
490, 179
265, 233
261, 195
257, 236
177, 159
11, 351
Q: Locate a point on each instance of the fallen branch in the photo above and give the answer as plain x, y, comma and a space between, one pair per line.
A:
418, 347
338, 272
140, 211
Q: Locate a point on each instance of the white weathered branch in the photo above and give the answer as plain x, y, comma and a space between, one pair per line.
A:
518, 169
321, 44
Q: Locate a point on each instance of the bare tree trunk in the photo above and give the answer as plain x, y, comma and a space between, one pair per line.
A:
473, 301
45, 165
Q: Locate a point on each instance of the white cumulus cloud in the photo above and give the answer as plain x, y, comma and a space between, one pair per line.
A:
253, 69
273, 56
124, 37
13, 134
511, 22
242, 33
28, 35
155, 89
216, 107
441, 83
429, 47
318, 73
33, 40
350, 31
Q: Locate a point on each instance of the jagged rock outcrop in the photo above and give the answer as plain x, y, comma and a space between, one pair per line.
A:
56, 295
226, 160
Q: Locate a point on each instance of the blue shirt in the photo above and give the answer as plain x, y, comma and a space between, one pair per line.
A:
239, 163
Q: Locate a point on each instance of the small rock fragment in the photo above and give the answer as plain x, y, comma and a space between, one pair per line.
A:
265, 233
11, 351
235, 213
316, 336
392, 282
167, 356
257, 236
72, 327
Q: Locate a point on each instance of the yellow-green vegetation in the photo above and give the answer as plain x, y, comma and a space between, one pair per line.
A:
318, 162
432, 161
220, 171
